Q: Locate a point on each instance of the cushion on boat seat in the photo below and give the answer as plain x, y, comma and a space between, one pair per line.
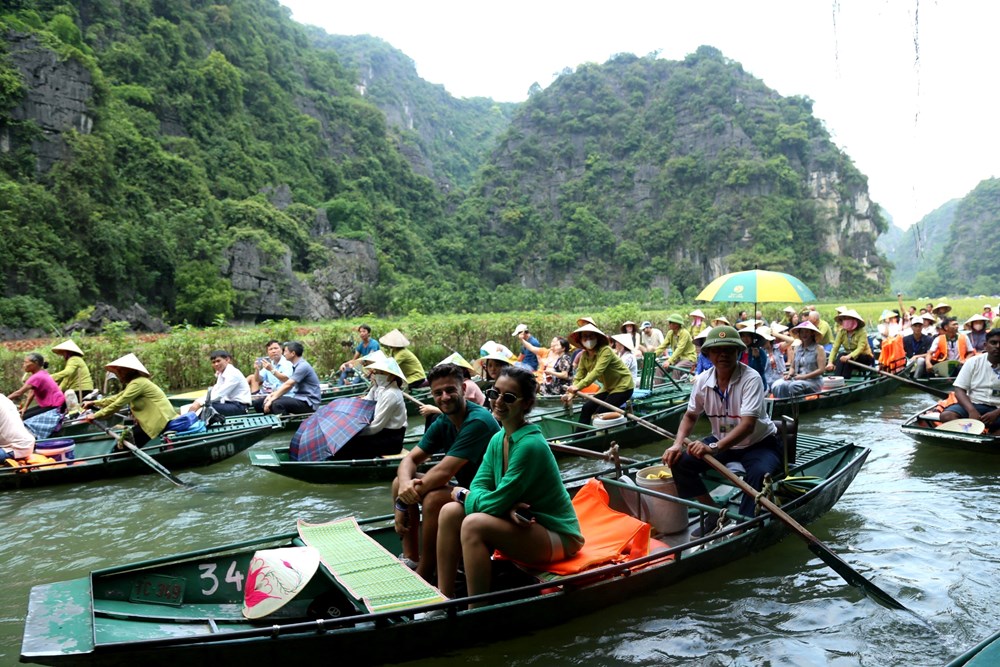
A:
609, 536
364, 569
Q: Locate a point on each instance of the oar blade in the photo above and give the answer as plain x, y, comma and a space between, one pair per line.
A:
853, 577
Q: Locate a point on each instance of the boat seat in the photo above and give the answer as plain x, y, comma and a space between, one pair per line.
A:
364, 569
931, 416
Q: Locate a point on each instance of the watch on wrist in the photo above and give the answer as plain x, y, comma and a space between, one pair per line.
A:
714, 446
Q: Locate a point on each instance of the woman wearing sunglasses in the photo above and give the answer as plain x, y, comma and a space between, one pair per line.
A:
516, 503
598, 363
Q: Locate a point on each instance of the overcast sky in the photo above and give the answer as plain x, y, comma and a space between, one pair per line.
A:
907, 88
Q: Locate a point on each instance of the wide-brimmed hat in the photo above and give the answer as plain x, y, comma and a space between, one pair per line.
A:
373, 356
703, 333
852, 314
129, 361
497, 356
457, 359
493, 350
943, 307
778, 327
986, 306
841, 309
625, 324
520, 328
749, 323
887, 313
721, 336
574, 337
790, 310
975, 318
809, 326
697, 313
388, 365
675, 318
68, 346
765, 333
923, 318
394, 338
720, 318
625, 340
580, 321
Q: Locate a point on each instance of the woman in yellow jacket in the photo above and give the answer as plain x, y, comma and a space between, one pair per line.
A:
854, 339
75, 375
150, 407
599, 363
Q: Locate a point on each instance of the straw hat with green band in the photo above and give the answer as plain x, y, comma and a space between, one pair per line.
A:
723, 336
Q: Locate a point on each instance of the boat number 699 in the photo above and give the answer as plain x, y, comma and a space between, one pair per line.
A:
233, 576
222, 451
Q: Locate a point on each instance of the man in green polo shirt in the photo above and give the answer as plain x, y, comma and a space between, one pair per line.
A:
461, 434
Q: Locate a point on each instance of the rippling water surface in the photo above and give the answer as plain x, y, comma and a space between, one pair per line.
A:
920, 521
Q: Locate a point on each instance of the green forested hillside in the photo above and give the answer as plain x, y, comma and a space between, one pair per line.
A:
916, 251
448, 137
149, 149
968, 263
645, 173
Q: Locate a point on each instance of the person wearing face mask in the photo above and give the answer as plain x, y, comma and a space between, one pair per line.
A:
698, 323
854, 340
384, 434
976, 332
598, 363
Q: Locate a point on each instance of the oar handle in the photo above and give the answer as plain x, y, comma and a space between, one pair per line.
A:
588, 453
144, 457
414, 399
628, 415
940, 393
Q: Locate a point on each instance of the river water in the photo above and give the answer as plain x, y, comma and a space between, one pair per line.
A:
920, 521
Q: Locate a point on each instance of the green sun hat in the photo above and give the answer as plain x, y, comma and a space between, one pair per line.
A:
723, 335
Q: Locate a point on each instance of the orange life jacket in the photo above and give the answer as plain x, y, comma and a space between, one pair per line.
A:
939, 351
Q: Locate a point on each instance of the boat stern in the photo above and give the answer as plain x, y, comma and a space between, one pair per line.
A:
60, 623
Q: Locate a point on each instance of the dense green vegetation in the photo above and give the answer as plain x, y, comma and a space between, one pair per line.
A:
641, 171
968, 263
203, 113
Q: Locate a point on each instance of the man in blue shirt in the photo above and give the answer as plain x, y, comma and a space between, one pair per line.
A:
366, 346
528, 358
303, 380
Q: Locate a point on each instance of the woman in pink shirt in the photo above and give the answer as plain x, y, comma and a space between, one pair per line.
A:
39, 387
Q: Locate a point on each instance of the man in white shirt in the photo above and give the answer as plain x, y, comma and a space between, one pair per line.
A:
230, 393
16, 441
977, 387
650, 339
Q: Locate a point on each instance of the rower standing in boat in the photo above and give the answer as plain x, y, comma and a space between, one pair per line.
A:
731, 395
150, 407
977, 387
517, 502
462, 437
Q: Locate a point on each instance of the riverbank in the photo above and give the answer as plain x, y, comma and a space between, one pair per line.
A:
179, 360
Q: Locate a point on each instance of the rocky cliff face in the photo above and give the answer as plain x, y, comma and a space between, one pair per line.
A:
58, 92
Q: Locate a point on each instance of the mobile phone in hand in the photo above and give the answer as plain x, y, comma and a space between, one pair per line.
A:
524, 514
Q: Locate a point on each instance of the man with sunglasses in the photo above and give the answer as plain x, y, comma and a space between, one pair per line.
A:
461, 435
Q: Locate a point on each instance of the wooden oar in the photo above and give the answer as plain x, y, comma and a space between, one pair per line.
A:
940, 393
146, 458
838, 565
589, 453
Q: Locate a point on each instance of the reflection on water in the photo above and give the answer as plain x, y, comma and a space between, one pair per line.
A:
920, 521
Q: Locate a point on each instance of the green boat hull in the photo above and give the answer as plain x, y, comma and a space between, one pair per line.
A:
857, 388
113, 617
97, 458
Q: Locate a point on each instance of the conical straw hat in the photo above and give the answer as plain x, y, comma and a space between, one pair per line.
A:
625, 340
457, 359
574, 337
389, 365
68, 346
394, 338
275, 577
129, 361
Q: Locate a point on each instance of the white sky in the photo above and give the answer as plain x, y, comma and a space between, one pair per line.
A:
922, 130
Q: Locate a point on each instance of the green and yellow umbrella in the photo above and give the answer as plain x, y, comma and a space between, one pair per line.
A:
756, 286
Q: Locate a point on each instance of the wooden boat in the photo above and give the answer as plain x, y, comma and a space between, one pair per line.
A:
923, 426
856, 388
97, 458
984, 654
187, 609
328, 392
558, 427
